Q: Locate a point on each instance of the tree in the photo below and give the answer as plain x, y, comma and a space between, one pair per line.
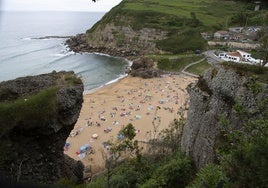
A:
264, 49
127, 145
263, 39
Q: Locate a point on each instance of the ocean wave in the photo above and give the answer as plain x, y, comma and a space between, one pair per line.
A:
63, 54
27, 53
26, 38
101, 54
61, 57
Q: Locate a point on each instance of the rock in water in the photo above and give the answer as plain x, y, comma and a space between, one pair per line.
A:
37, 114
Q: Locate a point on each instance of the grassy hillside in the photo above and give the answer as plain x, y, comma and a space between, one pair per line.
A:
183, 20
210, 12
171, 14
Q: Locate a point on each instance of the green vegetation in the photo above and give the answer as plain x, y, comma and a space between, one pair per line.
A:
209, 12
241, 155
162, 165
182, 20
67, 183
72, 80
259, 73
29, 108
176, 64
188, 40
199, 68
210, 176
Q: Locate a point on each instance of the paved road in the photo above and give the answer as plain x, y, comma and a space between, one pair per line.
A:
190, 74
211, 57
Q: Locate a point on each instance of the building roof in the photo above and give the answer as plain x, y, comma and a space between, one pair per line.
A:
240, 51
223, 32
236, 54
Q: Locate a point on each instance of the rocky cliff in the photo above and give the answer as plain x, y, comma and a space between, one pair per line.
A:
117, 41
37, 114
219, 93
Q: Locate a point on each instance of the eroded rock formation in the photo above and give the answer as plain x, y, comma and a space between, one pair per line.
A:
215, 95
144, 68
34, 131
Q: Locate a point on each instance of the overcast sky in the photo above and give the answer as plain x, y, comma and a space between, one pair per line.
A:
60, 5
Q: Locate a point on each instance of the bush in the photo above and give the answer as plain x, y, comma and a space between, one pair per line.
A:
254, 71
32, 108
210, 176
163, 64
73, 80
189, 40
176, 172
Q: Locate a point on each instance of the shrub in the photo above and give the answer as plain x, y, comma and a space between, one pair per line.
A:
210, 176
176, 172
188, 40
32, 108
163, 64
73, 80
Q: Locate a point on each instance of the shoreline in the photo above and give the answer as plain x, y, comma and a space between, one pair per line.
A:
128, 100
90, 91
121, 76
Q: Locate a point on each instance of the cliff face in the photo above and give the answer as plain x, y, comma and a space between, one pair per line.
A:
215, 95
126, 38
118, 40
37, 115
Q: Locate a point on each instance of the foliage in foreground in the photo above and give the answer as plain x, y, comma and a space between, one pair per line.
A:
41, 106
242, 157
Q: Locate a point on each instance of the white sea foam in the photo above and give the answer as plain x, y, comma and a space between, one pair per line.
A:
101, 54
108, 83
63, 54
26, 38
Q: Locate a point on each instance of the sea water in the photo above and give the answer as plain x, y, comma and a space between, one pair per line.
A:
21, 54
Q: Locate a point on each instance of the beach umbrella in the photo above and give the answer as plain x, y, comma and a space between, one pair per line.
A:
150, 107
83, 149
162, 101
82, 155
87, 146
67, 144
120, 136
95, 136
138, 117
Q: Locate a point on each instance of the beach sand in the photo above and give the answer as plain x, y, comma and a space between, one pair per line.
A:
130, 100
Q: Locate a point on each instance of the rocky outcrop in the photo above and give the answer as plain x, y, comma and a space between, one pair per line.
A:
37, 115
80, 43
118, 40
144, 68
214, 95
123, 36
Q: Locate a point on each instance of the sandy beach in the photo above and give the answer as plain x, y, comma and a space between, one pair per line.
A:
130, 100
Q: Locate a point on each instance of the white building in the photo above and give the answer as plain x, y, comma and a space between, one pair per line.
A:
222, 35
238, 57
244, 55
